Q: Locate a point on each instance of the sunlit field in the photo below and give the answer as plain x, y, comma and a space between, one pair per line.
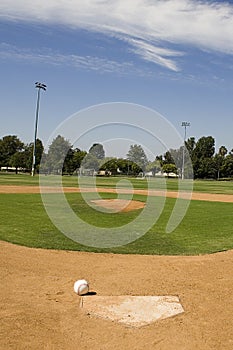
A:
206, 186
206, 228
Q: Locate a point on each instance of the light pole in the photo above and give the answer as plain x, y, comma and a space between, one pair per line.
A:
39, 86
184, 124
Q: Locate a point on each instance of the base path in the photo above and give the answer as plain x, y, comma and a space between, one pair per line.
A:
227, 198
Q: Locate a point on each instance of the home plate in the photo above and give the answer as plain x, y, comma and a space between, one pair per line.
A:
133, 311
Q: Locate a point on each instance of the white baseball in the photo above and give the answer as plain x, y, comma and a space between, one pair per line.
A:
81, 287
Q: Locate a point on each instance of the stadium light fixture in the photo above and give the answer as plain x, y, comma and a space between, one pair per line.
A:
39, 86
185, 125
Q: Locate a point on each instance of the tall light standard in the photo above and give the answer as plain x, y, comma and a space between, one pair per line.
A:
39, 86
184, 124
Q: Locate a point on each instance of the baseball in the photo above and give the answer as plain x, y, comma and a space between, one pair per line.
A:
81, 287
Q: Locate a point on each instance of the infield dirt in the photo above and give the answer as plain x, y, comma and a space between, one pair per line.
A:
39, 309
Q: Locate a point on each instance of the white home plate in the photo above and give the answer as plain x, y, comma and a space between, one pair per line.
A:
134, 311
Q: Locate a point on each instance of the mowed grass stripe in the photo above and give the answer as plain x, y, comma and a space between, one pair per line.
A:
221, 187
206, 228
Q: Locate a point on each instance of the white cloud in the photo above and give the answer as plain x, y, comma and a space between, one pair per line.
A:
149, 26
54, 58
155, 54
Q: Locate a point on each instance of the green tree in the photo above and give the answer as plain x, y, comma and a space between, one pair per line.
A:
206, 169
28, 153
159, 159
219, 160
68, 165
78, 157
110, 165
190, 145
9, 145
125, 166
137, 155
204, 165
177, 158
97, 150
168, 157
227, 166
154, 167
204, 147
73, 160
169, 168
17, 161
90, 162
57, 154
222, 151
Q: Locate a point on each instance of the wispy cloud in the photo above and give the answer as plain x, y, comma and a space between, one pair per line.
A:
155, 54
49, 57
149, 27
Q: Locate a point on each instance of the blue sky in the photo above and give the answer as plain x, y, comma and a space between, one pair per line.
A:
175, 57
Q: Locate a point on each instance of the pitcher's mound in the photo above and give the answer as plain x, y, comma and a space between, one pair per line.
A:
133, 311
116, 205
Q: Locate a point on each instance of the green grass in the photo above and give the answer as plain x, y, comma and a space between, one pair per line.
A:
206, 228
221, 187
18, 180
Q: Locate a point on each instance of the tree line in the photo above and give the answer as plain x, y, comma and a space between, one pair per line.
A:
197, 159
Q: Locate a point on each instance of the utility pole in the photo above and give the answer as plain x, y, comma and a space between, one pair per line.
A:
184, 124
39, 86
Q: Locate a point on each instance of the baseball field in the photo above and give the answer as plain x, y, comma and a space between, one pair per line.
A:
39, 265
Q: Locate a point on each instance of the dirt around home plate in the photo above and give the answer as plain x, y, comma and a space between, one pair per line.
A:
39, 309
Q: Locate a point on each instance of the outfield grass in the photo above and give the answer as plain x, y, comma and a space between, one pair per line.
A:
221, 187
18, 180
206, 228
